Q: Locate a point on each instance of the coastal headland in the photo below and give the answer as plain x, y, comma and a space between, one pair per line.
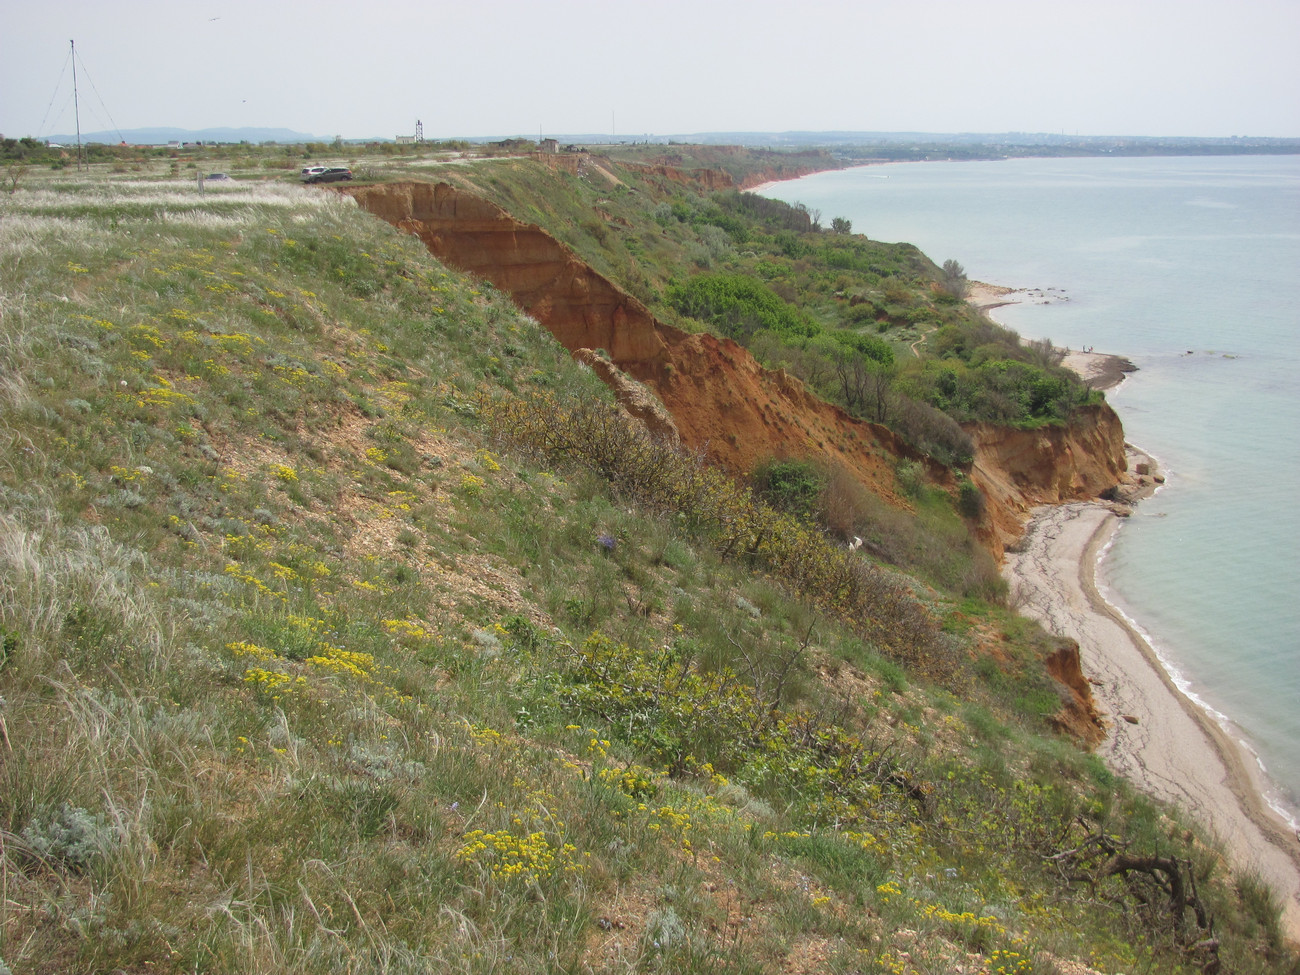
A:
347, 623
1166, 746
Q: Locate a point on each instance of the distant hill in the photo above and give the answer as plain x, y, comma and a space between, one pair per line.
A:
161, 135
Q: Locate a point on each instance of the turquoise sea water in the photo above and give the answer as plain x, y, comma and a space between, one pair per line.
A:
1190, 267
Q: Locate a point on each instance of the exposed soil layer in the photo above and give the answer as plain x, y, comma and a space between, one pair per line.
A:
723, 403
1019, 470
721, 400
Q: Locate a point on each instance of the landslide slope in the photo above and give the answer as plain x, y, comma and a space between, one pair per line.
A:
721, 400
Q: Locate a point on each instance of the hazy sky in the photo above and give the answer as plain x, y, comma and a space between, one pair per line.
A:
365, 68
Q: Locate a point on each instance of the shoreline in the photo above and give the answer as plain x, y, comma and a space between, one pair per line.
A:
1163, 742
1101, 370
1158, 738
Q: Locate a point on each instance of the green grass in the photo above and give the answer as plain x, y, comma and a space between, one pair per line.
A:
288, 635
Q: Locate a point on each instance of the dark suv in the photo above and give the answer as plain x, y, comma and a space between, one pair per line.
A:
329, 176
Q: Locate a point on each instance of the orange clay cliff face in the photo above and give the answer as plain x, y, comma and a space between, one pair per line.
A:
720, 400
1020, 469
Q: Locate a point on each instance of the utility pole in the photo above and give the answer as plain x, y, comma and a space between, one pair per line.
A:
76, 107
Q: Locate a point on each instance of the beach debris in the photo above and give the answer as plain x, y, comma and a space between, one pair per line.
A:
1130, 718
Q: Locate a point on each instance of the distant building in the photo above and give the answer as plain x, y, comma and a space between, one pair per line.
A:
413, 140
549, 145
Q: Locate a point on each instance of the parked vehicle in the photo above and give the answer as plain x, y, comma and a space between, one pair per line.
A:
218, 177
329, 176
312, 171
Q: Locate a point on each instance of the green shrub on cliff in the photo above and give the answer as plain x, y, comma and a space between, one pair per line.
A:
738, 306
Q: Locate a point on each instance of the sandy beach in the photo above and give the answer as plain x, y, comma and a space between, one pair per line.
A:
1160, 740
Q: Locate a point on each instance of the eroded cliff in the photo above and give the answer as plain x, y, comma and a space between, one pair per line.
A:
719, 400
1017, 470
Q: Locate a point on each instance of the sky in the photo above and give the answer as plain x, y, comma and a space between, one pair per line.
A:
371, 68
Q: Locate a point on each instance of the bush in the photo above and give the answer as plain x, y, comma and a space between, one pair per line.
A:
876, 349
738, 306
794, 486
70, 837
931, 431
970, 501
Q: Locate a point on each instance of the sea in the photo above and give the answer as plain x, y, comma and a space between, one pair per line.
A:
1189, 267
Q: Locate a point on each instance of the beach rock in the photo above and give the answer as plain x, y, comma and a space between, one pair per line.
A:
1130, 718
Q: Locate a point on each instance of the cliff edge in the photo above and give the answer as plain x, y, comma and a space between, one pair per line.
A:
721, 400
1018, 470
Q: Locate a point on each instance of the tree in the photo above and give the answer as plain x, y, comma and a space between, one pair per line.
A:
15, 170
840, 225
954, 279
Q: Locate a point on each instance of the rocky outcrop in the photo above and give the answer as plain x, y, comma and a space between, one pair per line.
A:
1017, 470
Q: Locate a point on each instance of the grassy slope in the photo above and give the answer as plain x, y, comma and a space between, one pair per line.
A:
299, 674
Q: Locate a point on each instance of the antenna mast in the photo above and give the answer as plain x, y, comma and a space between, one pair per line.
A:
76, 107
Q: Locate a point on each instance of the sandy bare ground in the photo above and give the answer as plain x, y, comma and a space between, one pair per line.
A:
1101, 369
1158, 739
